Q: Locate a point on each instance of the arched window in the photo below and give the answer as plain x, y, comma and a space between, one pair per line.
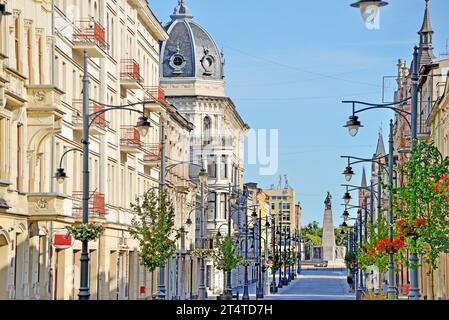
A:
207, 130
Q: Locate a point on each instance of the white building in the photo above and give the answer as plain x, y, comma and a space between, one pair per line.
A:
192, 77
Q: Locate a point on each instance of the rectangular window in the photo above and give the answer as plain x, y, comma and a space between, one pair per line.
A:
19, 156
17, 43
223, 168
40, 61
223, 205
64, 76
30, 64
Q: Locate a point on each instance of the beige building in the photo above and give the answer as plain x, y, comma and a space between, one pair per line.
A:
432, 127
283, 205
40, 119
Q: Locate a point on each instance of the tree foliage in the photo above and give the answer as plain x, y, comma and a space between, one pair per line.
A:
224, 256
421, 204
153, 226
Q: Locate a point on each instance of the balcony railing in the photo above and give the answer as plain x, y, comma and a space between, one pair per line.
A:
423, 128
96, 204
152, 151
90, 31
130, 137
155, 94
130, 70
77, 117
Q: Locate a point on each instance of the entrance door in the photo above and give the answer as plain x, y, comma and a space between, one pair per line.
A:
3, 267
122, 276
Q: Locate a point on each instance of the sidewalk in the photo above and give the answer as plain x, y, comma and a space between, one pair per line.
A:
239, 289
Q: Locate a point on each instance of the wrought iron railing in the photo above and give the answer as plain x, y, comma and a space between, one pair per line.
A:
129, 136
89, 30
130, 70
155, 94
151, 151
96, 204
77, 116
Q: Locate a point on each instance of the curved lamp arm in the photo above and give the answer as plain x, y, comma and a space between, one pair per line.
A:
65, 153
390, 106
98, 113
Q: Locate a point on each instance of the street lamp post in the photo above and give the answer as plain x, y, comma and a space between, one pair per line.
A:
246, 284
202, 285
84, 292
353, 126
273, 286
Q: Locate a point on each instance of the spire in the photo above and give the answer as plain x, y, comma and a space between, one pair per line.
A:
380, 150
181, 11
425, 39
363, 184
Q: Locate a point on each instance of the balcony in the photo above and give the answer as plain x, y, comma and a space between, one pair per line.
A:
130, 140
96, 205
98, 126
151, 154
130, 77
154, 98
423, 130
90, 35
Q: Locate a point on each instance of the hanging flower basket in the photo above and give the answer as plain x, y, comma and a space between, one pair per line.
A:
410, 228
246, 262
387, 245
202, 253
442, 186
85, 232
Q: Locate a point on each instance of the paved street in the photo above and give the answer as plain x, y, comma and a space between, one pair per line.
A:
321, 284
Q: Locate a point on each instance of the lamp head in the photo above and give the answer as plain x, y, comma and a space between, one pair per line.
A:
233, 198
345, 215
203, 176
353, 125
254, 215
60, 175
361, 4
189, 222
143, 126
348, 173
347, 198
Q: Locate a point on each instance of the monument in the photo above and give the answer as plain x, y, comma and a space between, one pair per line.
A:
328, 239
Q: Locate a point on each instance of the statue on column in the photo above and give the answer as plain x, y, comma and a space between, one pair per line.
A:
327, 201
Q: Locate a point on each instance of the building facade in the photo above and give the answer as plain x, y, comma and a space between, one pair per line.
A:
191, 69
431, 127
41, 119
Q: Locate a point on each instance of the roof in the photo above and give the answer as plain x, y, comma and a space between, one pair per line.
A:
195, 51
380, 150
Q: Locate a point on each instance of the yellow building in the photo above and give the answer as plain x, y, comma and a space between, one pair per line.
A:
40, 119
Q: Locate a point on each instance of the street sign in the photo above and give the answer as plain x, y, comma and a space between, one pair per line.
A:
62, 240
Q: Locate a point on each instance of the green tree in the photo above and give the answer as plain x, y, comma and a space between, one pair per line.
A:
424, 198
313, 232
224, 256
153, 226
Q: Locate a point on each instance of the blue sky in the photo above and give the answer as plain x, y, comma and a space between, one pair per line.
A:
290, 63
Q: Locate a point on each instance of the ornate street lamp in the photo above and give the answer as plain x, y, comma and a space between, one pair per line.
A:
348, 173
3, 12
353, 125
347, 197
345, 215
363, 4
203, 176
143, 126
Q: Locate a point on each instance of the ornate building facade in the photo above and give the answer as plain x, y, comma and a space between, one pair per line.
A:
192, 76
41, 69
